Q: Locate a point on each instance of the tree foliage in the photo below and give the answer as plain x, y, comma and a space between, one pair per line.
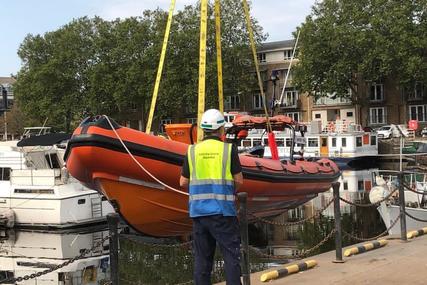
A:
343, 41
93, 66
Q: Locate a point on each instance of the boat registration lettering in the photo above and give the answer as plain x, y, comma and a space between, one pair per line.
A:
208, 155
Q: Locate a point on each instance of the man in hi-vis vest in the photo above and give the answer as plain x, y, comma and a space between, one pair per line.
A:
212, 171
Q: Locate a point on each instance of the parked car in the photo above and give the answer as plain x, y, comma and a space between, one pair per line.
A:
392, 131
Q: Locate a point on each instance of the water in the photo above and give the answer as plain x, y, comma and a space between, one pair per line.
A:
28, 252
145, 260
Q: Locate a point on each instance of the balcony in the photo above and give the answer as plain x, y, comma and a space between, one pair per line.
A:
294, 104
326, 101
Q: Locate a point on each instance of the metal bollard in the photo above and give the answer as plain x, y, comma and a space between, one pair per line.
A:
246, 274
337, 216
403, 236
113, 221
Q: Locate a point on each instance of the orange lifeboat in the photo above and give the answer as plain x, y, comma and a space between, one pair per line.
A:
140, 174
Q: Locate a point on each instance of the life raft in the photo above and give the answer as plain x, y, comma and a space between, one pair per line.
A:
140, 174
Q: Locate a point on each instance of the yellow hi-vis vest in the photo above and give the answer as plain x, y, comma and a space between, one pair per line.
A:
211, 184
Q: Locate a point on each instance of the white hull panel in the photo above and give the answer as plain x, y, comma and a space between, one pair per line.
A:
64, 212
389, 213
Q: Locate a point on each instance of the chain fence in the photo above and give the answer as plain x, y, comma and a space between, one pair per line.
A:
56, 267
356, 238
415, 218
304, 253
300, 222
137, 238
412, 189
376, 204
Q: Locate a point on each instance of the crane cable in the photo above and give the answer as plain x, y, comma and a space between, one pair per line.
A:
160, 68
253, 47
219, 55
289, 70
138, 163
202, 66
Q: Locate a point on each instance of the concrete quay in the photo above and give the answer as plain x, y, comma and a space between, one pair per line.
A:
396, 263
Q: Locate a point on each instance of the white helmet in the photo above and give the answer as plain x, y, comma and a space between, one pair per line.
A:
212, 119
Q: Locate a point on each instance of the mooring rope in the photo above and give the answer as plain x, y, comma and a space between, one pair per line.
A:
139, 164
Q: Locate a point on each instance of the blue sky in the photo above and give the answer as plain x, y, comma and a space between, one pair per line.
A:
21, 17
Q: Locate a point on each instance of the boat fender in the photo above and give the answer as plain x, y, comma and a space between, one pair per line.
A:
380, 181
7, 218
378, 193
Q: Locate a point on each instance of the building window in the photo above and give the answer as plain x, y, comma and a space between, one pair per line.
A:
349, 114
163, 123
377, 92
256, 142
290, 98
334, 142
258, 102
293, 115
288, 54
359, 141
415, 93
133, 106
373, 140
377, 115
317, 116
313, 142
345, 185
261, 57
343, 142
232, 102
191, 120
418, 112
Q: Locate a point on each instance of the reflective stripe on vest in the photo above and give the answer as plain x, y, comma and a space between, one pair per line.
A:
212, 196
211, 184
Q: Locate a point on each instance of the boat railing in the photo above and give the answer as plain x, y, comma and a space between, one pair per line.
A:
333, 127
415, 184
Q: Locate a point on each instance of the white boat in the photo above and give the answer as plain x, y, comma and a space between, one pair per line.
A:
415, 203
36, 191
345, 143
354, 184
28, 252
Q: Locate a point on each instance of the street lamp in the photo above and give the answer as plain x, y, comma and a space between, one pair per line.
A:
4, 98
273, 78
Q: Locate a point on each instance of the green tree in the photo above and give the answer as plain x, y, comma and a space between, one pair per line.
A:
52, 82
179, 84
93, 66
344, 41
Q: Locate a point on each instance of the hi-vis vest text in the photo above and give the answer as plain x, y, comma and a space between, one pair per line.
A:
211, 182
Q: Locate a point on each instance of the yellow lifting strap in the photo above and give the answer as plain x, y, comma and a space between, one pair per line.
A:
160, 68
253, 47
219, 54
202, 65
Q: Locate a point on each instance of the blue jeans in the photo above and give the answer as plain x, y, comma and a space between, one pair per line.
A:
207, 232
